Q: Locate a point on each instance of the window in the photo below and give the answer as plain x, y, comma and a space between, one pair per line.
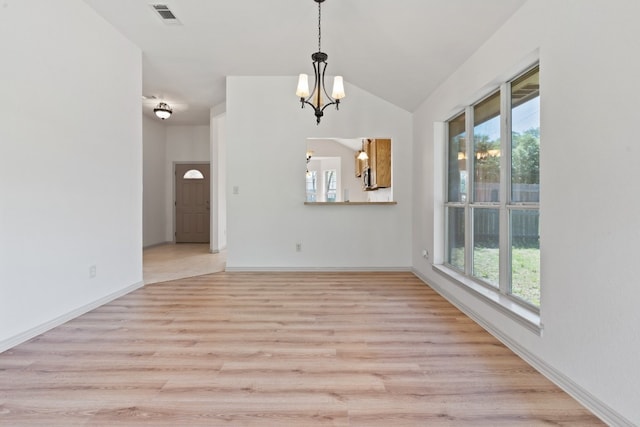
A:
331, 186
457, 192
311, 186
493, 191
193, 174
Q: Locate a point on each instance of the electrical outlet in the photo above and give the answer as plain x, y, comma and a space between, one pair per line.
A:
92, 271
298, 247
425, 254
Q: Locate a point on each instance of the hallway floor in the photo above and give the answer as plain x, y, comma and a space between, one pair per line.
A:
177, 261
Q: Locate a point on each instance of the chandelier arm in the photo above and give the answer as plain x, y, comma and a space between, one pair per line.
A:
311, 105
304, 101
316, 82
324, 85
331, 103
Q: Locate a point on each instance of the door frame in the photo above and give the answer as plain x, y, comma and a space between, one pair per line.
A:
173, 195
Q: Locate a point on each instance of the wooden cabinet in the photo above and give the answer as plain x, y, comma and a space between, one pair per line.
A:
378, 174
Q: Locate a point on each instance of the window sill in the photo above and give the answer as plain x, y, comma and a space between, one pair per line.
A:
350, 203
507, 306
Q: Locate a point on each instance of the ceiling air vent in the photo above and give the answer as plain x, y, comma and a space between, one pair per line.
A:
165, 13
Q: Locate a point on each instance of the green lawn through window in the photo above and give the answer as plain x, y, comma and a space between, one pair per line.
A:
525, 270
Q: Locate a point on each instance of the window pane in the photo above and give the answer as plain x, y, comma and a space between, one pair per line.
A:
486, 150
525, 255
311, 183
486, 245
455, 225
330, 185
193, 174
457, 191
525, 139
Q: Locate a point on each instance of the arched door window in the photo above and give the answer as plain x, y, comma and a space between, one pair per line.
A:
193, 174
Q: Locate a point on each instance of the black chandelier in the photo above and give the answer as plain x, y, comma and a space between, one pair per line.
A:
315, 98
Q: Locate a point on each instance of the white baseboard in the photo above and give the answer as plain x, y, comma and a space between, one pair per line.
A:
315, 269
44, 327
153, 245
589, 401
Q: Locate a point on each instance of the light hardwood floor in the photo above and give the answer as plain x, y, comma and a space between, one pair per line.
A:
277, 349
177, 261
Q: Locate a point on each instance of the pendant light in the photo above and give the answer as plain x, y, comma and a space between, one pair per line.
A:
319, 98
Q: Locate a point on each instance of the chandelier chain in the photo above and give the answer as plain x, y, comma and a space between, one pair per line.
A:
319, 28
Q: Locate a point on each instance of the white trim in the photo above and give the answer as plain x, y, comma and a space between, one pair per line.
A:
504, 225
440, 177
318, 269
470, 149
154, 245
44, 327
588, 400
507, 306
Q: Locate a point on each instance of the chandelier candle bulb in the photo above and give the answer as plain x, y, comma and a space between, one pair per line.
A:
303, 86
338, 88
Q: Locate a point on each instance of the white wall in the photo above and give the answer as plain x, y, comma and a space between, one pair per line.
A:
154, 193
70, 164
590, 215
218, 180
266, 145
184, 144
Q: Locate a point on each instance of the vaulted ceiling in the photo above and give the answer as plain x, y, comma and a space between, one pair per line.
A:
399, 50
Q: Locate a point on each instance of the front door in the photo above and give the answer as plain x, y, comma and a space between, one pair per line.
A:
192, 203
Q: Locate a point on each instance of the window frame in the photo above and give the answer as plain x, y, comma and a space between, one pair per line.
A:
506, 206
329, 176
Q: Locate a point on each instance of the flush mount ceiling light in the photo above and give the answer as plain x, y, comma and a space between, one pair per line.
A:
315, 98
163, 111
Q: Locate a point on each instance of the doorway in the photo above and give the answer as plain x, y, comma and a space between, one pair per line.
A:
192, 203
